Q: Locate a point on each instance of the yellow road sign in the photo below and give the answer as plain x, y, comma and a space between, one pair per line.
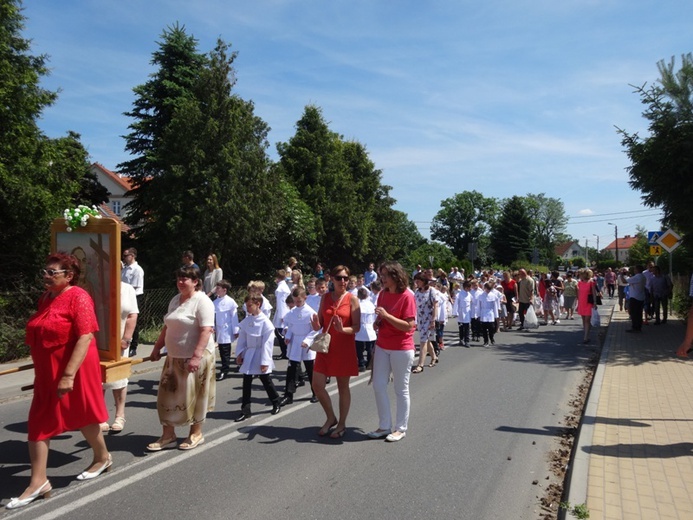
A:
655, 250
670, 240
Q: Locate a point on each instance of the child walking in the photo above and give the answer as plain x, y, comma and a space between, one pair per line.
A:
254, 354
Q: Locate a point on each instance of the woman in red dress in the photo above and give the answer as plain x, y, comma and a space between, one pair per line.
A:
340, 362
67, 382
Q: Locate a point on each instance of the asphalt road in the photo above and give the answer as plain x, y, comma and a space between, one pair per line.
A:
481, 428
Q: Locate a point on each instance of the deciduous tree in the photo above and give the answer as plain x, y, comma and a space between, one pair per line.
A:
662, 161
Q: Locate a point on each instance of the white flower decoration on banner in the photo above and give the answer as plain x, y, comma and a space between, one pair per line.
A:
79, 216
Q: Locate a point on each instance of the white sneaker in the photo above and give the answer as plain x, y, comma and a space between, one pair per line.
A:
557, 321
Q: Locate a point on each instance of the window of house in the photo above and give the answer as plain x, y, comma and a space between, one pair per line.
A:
116, 207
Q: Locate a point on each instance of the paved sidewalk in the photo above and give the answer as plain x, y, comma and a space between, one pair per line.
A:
634, 454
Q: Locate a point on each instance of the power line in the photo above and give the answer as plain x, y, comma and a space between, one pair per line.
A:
617, 213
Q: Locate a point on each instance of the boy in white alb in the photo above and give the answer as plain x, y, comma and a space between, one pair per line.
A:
254, 354
299, 334
365, 337
225, 325
463, 309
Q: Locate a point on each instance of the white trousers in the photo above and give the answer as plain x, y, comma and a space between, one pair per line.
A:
399, 363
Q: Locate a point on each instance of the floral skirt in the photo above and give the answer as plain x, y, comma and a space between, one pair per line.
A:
185, 397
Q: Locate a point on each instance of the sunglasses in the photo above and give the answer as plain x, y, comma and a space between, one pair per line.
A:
341, 278
52, 272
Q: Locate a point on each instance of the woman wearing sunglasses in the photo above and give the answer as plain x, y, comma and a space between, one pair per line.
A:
341, 314
67, 382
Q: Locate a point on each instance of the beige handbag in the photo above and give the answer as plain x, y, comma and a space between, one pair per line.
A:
321, 342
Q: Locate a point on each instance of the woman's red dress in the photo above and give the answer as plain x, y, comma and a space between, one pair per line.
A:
52, 334
341, 359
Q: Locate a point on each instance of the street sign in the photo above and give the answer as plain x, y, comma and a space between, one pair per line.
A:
655, 250
670, 240
653, 236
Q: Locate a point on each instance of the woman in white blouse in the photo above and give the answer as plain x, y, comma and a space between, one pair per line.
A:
213, 275
187, 388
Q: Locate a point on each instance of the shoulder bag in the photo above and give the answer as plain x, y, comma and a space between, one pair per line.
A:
321, 342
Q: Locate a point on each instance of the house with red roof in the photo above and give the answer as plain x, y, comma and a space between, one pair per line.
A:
569, 250
118, 187
623, 246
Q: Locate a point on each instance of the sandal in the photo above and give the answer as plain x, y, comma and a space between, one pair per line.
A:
190, 444
327, 428
338, 434
162, 444
104, 427
118, 425
433, 363
417, 369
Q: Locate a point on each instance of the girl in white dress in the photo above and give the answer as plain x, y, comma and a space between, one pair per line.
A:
254, 354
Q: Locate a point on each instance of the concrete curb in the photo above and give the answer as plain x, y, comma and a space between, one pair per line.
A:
578, 470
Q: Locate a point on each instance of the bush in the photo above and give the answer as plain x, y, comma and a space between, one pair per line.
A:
16, 308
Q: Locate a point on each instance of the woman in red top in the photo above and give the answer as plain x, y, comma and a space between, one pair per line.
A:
394, 350
510, 292
340, 362
67, 382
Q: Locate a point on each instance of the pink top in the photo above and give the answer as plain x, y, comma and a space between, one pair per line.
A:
400, 305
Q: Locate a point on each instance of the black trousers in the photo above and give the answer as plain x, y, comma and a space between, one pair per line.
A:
464, 332
136, 333
522, 311
282, 342
476, 328
248, 385
367, 347
293, 372
635, 308
225, 354
489, 330
661, 304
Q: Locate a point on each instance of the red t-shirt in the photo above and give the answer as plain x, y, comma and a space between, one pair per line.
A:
401, 306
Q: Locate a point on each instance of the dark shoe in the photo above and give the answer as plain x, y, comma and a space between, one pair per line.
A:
276, 408
328, 380
279, 357
493, 342
244, 416
287, 399
222, 376
132, 352
301, 382
314, 399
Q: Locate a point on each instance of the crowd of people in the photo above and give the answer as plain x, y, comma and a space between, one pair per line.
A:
330, 324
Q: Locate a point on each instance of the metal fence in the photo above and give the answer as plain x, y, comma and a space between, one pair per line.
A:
17, 307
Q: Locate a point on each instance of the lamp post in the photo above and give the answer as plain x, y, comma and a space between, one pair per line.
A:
595, 235
616, 237
587, 254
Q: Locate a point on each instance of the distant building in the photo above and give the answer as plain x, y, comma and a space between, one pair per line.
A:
118, 186
624, 244
119, 193
569, 250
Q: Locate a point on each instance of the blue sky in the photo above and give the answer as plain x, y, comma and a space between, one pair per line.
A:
503, 97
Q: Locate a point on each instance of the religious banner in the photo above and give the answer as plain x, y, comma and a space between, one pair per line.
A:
97, 247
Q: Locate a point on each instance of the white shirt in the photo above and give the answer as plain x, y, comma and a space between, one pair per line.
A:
133, 275
487, 306
299, 330
463, 306
183, 323
225, 319
281, 293
256, 343
313, 301
366, 332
